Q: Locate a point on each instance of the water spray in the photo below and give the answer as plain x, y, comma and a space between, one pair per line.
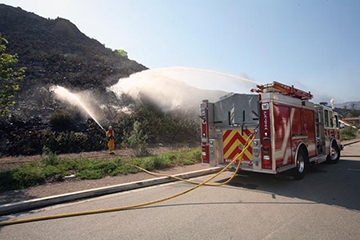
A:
180, 87
65, 95
207, 71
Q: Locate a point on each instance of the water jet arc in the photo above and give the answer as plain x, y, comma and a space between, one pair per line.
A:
64, 94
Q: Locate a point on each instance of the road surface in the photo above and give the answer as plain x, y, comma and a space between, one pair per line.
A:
324, 205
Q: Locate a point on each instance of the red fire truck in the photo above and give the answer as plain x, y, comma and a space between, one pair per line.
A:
290, 131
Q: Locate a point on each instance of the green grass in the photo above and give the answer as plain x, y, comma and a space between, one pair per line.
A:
348, 133
53, 167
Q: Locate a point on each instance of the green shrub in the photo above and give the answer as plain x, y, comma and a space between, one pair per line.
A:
95, 169
189, 162
106, 166
161, 162
67, 164
90, 174
348, 133
51, 171
28, 175
148, 163
121, 52
137, 141
124, 169
49, 158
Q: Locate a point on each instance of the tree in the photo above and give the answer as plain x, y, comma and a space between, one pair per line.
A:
353, 104
348, 115
9, 78
121, 52
323, 103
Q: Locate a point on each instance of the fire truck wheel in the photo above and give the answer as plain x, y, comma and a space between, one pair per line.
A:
334, 155
299, 171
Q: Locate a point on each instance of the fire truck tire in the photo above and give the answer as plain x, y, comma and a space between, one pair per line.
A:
334, 155
299, 171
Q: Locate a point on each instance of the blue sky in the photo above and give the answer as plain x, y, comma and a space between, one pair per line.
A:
312, 44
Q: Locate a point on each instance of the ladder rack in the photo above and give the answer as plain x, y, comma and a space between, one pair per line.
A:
284, 90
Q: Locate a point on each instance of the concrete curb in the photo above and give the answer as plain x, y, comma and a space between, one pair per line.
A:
47, 201
349, 143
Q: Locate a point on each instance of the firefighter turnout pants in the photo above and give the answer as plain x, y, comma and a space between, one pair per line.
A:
111, 145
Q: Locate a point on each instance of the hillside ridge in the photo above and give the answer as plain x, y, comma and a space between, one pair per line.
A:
56, 52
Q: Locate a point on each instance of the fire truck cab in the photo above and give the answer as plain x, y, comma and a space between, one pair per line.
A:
290, 131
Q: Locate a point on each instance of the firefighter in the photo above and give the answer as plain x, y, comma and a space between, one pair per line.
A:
111, 141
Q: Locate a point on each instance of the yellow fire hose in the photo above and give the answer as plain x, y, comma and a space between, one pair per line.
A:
197, 183
142, 204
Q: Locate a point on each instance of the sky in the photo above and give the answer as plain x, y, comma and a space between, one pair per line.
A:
311, 44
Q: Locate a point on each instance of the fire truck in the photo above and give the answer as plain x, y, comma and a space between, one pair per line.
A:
290, 132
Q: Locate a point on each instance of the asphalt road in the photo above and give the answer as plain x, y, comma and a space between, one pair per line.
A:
324, 205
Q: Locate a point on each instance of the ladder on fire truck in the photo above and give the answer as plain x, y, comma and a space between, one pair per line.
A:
284, 90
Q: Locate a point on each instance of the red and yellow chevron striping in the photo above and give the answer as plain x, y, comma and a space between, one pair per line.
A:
234, 142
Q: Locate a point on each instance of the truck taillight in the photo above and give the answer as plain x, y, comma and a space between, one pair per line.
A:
266, 157
266, 152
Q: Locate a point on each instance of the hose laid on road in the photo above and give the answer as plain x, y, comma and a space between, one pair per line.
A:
137, 205
193, 182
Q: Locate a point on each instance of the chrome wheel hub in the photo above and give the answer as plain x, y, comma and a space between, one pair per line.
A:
333, 154
301, 166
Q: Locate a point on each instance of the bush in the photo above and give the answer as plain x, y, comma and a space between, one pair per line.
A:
8, 182
148, 164
125, 169
28, 175
24, 142
348, 133
90, 174
137, 141
121, 52
61, 122
161, 162
67, 142
51, 171
49, 158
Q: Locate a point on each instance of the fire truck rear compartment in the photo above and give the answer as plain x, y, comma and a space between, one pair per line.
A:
231, 122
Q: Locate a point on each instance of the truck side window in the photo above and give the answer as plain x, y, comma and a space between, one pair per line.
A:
331, 119
326, 116
337, 121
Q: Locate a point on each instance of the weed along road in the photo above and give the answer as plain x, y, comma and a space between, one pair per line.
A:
324, 205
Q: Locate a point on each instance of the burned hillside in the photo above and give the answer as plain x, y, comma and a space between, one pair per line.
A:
57, 52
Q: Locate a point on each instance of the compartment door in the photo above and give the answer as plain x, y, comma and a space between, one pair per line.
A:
283, 119
234, 141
